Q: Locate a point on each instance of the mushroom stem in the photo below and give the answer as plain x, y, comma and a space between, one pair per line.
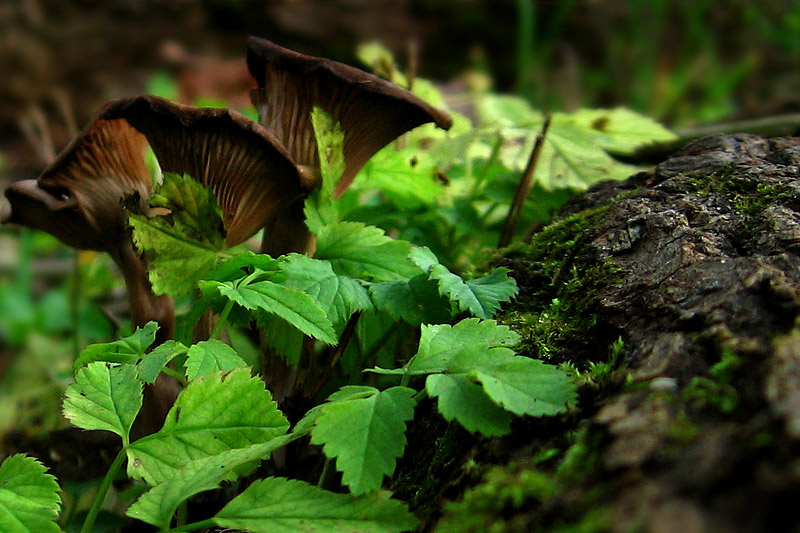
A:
145, 305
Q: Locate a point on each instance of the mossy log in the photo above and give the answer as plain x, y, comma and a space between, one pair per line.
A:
674, 299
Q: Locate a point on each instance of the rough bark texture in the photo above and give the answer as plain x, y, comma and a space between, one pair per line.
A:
694, 424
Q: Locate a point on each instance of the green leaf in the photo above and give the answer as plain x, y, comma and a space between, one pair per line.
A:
339, 296
574, 154
210, 416
408, 177
440, 343
104, 397
463, 400
527, 386
210, 356
127, 350
279, 505
294, 306
241, 265
364, 252
481, 297
153, 362
416, 300
183, 245
621, 130
157, 505
29, 496
364, 429
330, 148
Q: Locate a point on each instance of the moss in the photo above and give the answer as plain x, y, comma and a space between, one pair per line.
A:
566, 276
514, 497
746, 197
716, 389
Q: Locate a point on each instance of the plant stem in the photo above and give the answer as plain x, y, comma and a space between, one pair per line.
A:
194, 526
524, 188
222, 318
102, 490
175, 374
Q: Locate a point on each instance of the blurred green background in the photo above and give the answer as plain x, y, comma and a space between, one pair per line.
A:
684, 63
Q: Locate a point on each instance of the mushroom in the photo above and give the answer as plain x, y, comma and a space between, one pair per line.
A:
371, 110
78, 197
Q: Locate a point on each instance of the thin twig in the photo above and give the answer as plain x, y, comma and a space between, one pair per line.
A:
67, 112
524, 188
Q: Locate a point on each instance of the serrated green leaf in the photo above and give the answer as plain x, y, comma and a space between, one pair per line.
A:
153, 362
127, 350
294, 306
527, 386
492, 290
242, 265
374, 438
29, 496
464, 401
279, 505
211, 415
182, 246
339, 296
104, 397
481, 297
157, 505
364, 252
416, 300
440, 343
210, 356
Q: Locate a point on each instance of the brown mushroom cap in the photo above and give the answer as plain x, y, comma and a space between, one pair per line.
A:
77, 198
371, 111
253, 177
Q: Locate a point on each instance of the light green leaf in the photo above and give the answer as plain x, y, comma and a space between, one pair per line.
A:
210, 356
621, 130
127, 350
153, 362
157, 505
408, 177
210, 416
574, 154
279, 505
294, 306
374, 438
339, 296
440, 343
330, 148
417, 300
104, 397
29, 496
463, 400
183, 245
481, 297
527, 386
364, 252
506, 111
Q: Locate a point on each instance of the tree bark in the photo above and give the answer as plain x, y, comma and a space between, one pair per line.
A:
694, 424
